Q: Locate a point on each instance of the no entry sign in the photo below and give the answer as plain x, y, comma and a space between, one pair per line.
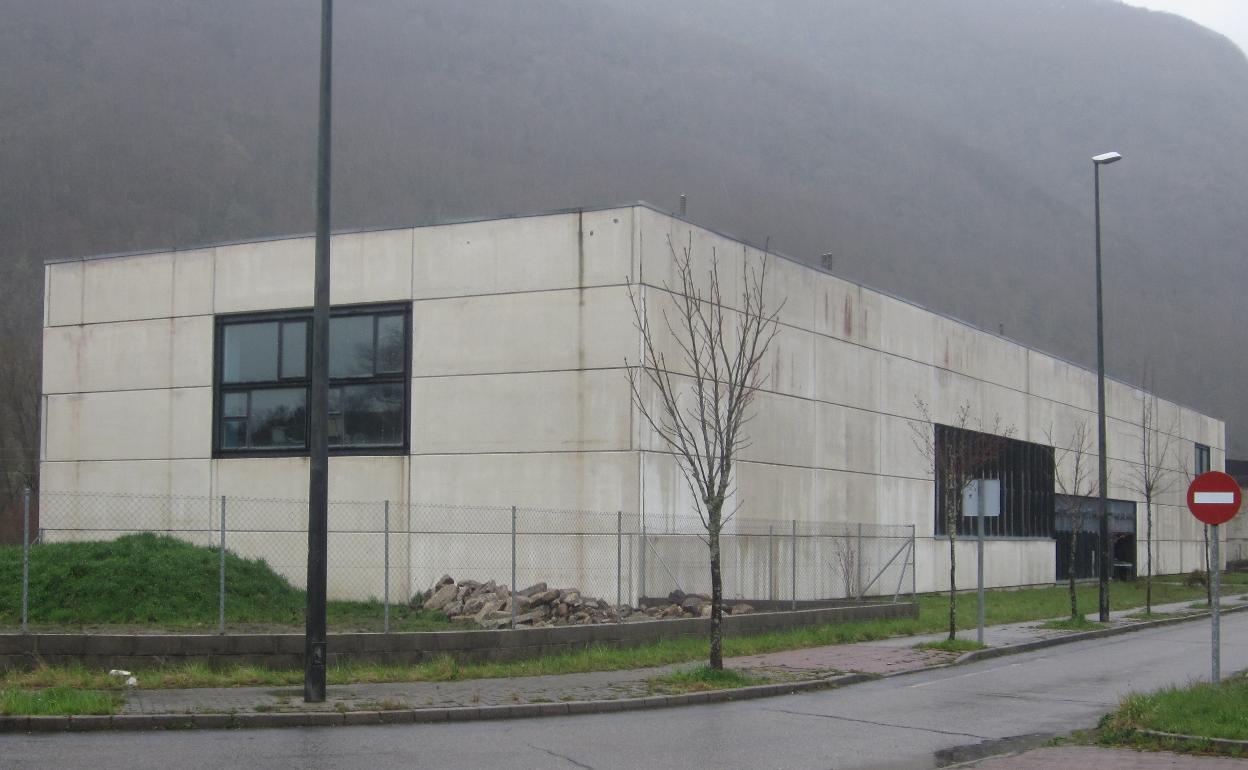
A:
1214, 497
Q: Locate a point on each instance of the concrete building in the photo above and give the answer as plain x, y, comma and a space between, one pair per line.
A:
482, 363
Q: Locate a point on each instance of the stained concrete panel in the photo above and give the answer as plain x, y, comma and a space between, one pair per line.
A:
127, 288
781, 431
371, 267
266, 275
904, 382
607, 240
847, 439
906, 330
531, 412
1061, 381
663, 240
192, 282
128, 355
597, 481
499, 256
64, 293
789, 365
846, 373
535, 331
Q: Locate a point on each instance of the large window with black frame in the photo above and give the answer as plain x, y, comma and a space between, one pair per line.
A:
263, 367
1023, 476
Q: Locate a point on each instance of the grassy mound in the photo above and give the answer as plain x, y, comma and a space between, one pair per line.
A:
142, 579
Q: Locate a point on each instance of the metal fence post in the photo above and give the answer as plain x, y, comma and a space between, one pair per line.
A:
641, 579
914, 565
25, 559
385, 543
513, 566
793, 559
221, 570
858, 564
771, 563
619, 556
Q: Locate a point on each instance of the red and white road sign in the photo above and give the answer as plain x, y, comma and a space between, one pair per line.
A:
1214, 497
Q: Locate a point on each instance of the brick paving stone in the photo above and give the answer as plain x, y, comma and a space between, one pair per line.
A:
1071, 757
861, 658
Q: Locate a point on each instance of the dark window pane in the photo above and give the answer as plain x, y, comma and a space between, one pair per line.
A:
277, 417
294, 349
250, 353
234, 433
234, 405
366, 415
351, 346
390, 343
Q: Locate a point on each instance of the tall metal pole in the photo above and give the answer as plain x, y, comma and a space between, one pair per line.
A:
793, 562
25, 560
619, 557
979, 557
314, 655
1102, 474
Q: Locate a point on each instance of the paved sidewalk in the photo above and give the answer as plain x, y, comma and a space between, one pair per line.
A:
884, 657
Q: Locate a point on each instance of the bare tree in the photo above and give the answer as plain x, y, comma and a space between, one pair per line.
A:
1076, 452
952, 466
1188, 470
700, 408
1150, 479
19, 416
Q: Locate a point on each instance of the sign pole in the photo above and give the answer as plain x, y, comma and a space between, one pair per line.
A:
1214, 498
980, 556
1216, 569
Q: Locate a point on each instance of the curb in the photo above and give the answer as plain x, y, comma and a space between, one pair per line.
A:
43, 724
1082, 636
1221, 743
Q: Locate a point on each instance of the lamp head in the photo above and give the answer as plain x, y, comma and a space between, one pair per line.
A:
1105, 159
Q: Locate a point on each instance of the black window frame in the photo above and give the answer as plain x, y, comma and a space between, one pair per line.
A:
1025, 469
220, 388
1203, 461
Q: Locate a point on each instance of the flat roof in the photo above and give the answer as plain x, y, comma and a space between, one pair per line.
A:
581, 209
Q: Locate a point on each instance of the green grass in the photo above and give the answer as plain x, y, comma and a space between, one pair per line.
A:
1072, 624
1202, 709
1001, 607
155, 581
952, 645
701, 679
57, 701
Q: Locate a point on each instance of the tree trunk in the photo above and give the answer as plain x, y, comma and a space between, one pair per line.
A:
717, 595
951, 524
1148, 578
1070, 564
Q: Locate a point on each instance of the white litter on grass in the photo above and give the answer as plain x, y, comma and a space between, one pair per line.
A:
118, 672
132, 682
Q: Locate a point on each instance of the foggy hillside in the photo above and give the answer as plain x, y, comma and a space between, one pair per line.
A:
940, 150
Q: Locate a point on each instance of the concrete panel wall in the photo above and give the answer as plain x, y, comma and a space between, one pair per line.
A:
519, 397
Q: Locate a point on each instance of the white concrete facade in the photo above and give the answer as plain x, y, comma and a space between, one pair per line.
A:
520, 332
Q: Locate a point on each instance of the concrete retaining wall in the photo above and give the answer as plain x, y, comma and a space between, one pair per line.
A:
19, 651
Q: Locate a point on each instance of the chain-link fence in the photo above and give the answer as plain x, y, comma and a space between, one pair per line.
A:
382, 554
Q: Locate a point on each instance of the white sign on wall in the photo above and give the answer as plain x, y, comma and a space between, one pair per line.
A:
989, 490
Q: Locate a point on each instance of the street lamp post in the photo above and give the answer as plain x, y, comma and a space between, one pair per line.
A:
1106, 558
315, 652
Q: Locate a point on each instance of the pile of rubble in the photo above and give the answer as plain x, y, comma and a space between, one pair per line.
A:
489, 605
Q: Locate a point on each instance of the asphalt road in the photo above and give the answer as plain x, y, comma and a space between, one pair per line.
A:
893, 723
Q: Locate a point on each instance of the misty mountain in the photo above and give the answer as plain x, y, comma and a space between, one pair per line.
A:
938, 150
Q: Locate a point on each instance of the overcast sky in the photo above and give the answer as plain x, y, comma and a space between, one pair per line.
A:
1229, 17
